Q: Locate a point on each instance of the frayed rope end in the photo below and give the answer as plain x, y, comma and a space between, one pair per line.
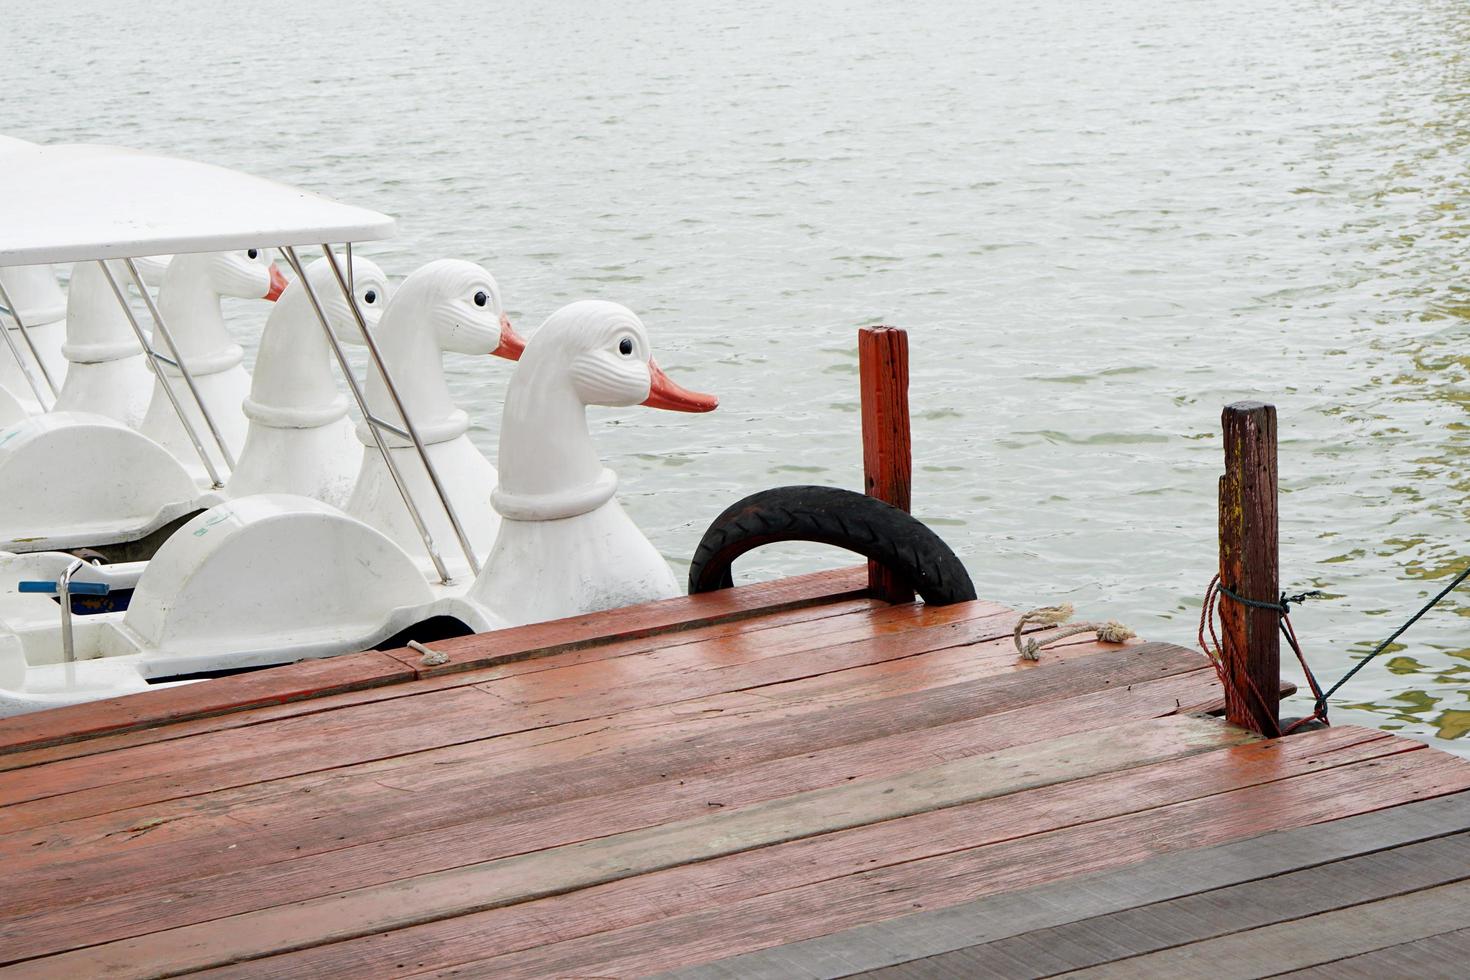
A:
1030, 648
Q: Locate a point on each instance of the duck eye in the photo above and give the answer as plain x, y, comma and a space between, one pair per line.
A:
254, 253
625, 346
370, 296
481, 299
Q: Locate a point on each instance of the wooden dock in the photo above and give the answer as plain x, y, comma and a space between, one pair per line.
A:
782, 780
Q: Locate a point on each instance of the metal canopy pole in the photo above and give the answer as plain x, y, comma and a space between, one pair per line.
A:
409, 429
20, 362
178, 362
153, 357
413, 511
63, 589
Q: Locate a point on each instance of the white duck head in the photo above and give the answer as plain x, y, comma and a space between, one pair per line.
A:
293, 384
190, 294
447, 305
589, 353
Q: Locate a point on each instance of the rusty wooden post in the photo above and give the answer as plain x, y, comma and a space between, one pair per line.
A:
888, 468
1250, 642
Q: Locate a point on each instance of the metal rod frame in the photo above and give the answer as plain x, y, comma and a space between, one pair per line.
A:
385, 424
409, 428
20, 361
63, 589
178, 362
151, 354
289, 252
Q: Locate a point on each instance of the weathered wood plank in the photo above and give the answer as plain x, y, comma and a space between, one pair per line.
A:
584, 865
708, 734
1444, 955
740, 663
792, 626
928, 934
893, 632
290, 683
152, 773
1323, 938
40, 796
649, 619
982, 845
288, 856
1209, 914
1216, 704
179, 728
781, 915
310, 679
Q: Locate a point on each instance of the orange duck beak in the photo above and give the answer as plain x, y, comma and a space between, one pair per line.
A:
664, 392
512, 344
278, 284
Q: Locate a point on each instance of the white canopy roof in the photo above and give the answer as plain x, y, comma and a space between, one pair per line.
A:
73, 202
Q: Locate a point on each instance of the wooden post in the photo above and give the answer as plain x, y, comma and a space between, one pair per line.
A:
1250, 642
888, 468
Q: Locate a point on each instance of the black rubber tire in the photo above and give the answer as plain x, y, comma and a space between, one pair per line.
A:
831, 515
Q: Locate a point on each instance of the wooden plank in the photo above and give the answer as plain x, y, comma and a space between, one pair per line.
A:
793, 625
1216, 704
689, 729
290, 683
727, 883
313, 743
888, 465
180, 728
1317, 939
926, 935
1444, 955
740, 663
358, 671
445, 788
635, 622
194, 879
687, 929
349, 672
583, 865
722, 731
1208, 914
923, 629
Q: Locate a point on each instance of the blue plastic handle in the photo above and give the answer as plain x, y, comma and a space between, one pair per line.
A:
76, 588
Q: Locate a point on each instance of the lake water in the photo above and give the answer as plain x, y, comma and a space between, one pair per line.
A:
1099, 221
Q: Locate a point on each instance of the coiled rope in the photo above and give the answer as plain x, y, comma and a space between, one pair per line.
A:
1030, 649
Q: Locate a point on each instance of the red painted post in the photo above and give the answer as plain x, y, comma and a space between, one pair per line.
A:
888, 468
1249, 567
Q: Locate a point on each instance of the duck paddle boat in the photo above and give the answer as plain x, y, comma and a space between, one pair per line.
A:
300, 440
153, 205
107, 371
189, 301
74, 479
274, 578
447, 305
565, 545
